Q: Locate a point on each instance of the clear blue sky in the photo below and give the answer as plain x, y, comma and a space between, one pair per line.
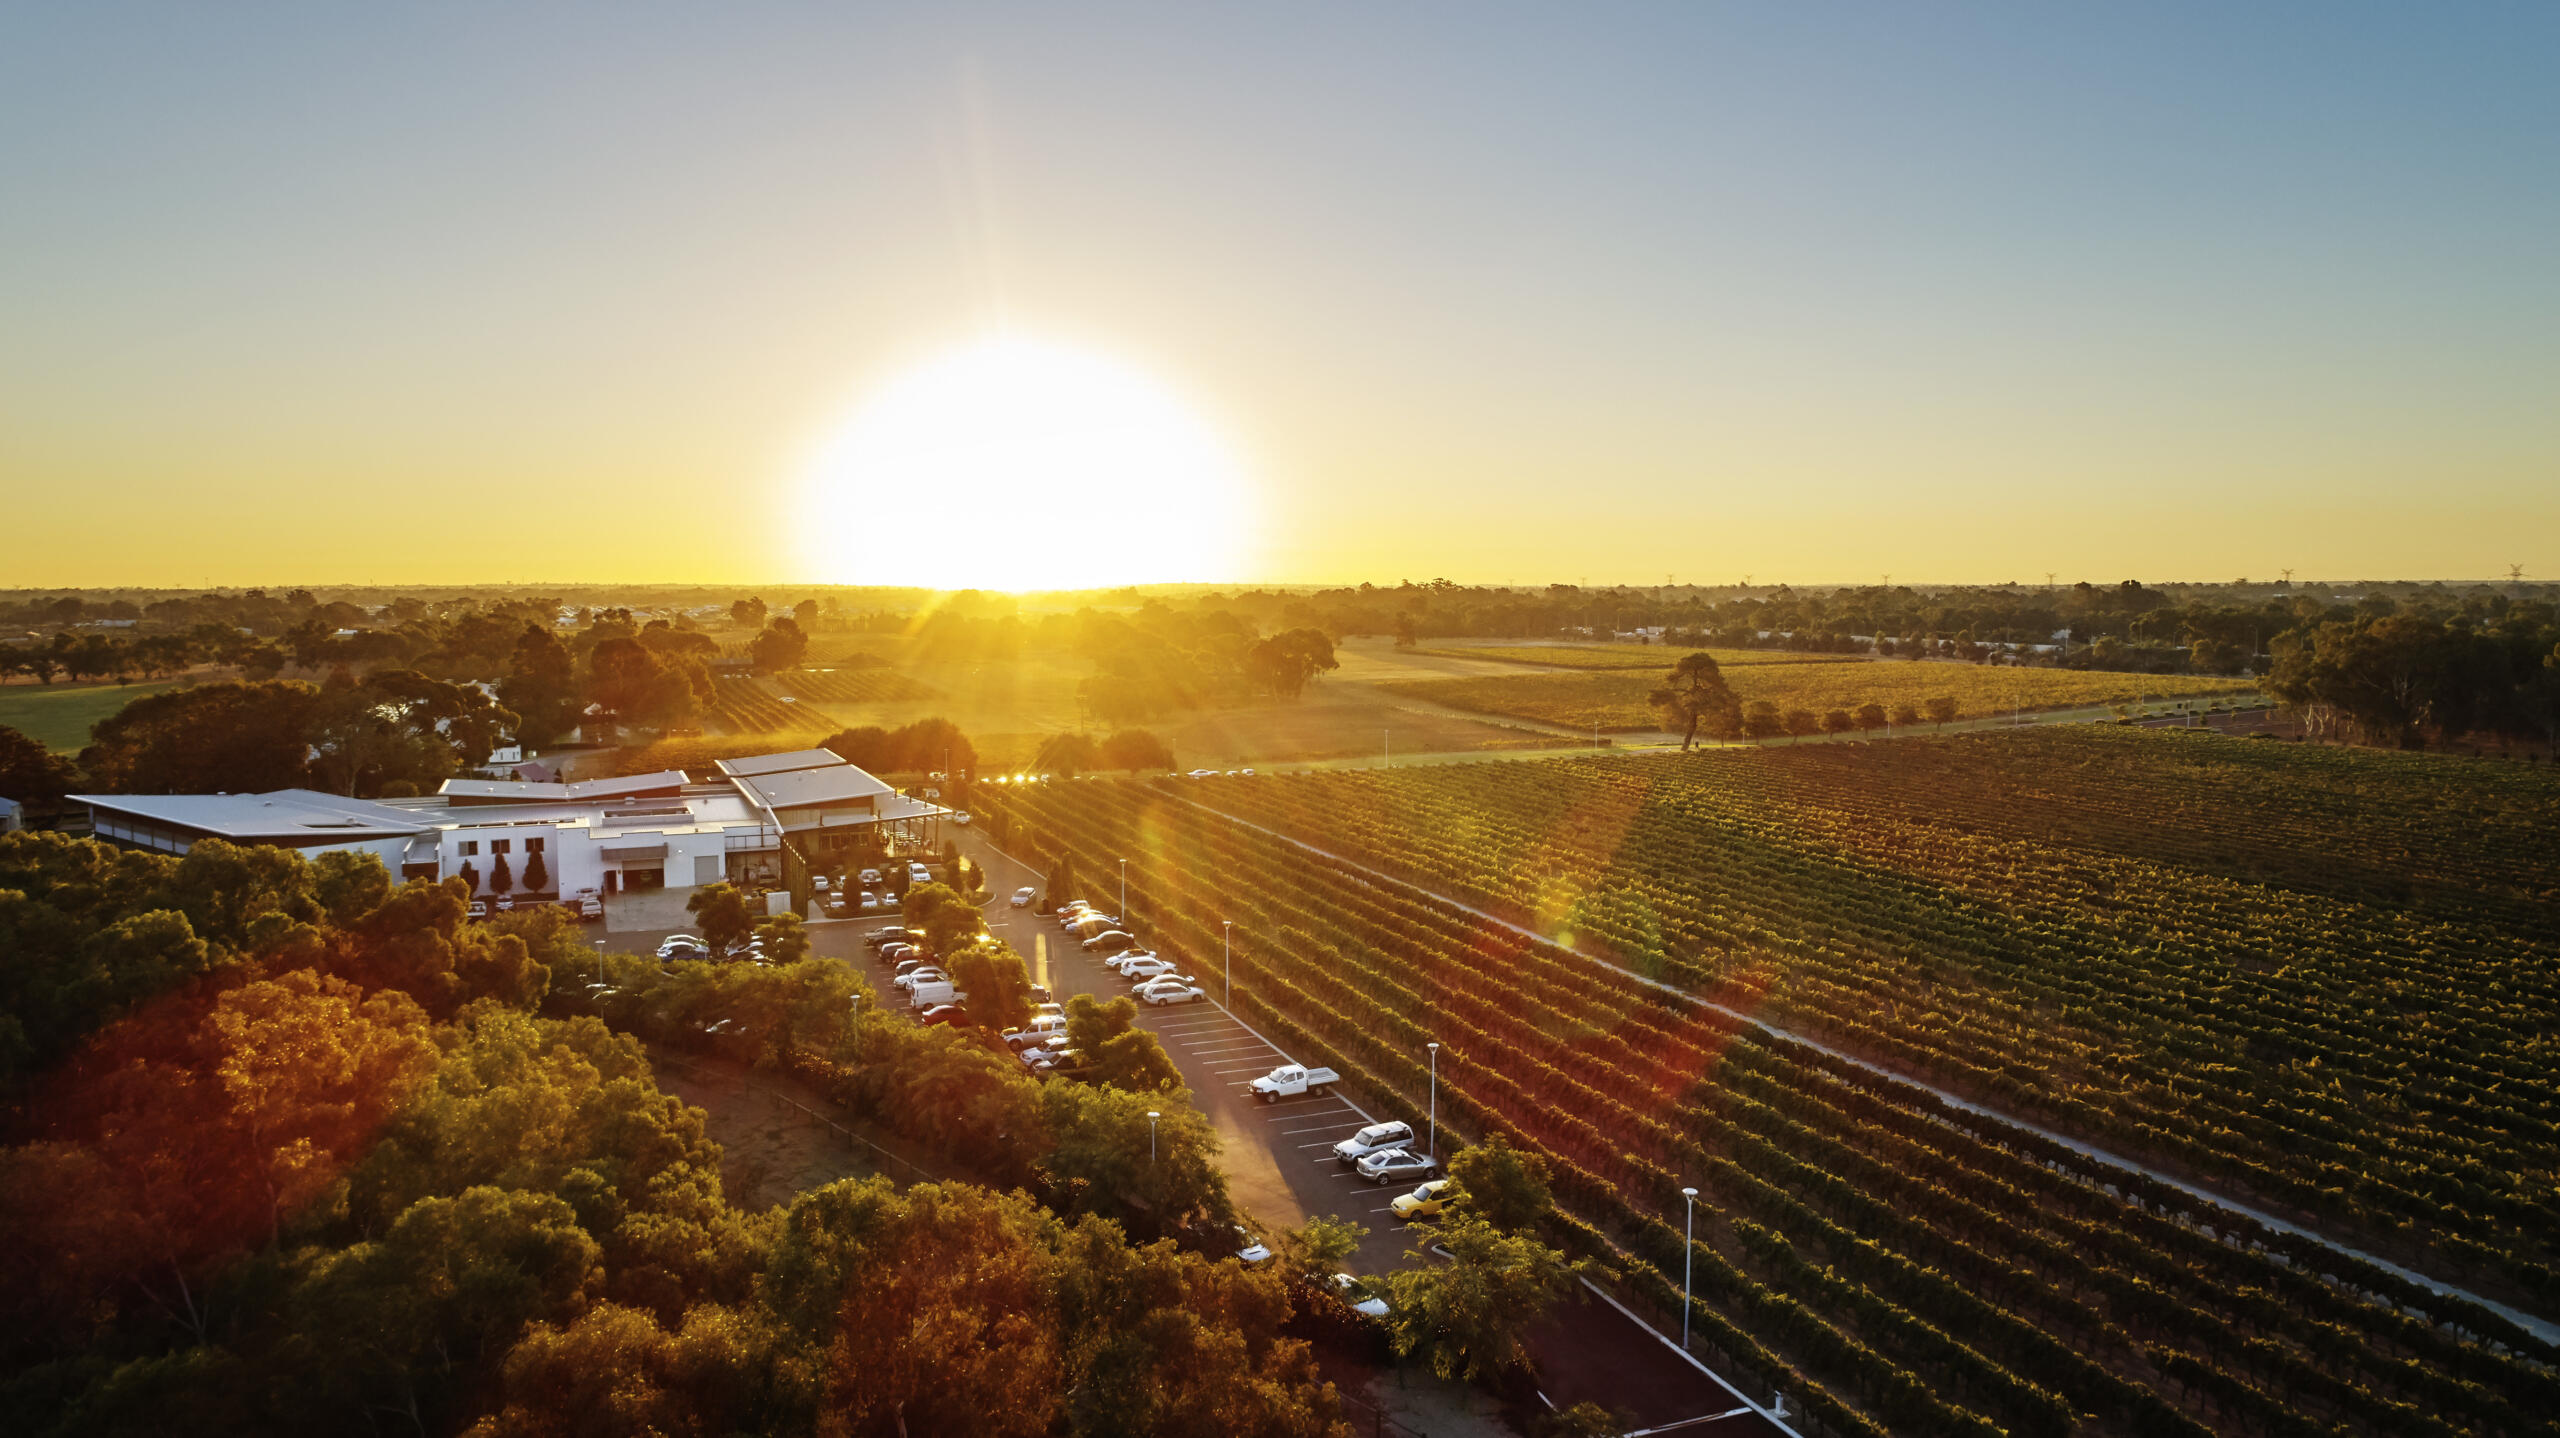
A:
1497, 293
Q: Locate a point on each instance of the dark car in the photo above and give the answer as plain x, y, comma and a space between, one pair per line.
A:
895, 933
1040, 994
944, 1014
1109, 941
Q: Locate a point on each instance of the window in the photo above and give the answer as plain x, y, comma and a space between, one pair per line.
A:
497, 846
533, 846
470, 847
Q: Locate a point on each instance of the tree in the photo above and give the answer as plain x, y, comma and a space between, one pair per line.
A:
721, 912
786, 938
214, 738
1872, 716
1133, 749
537, 874
1464, 1317
747, 613
1943, 709
1838, 721
1803, 721
31, 774
780, 645
502, 880
629, 679
1763, 721
1068, 754
1283, 663
1116, 1051
998, 986
541, 686
948, 921
1062, 884
1905, 715
1504, 1185
1694, 695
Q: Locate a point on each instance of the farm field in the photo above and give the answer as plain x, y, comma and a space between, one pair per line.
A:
1008, 708
1898, 1265
856, 686
743, 706
1651, 658
1615, 701
58, 716
2147, 937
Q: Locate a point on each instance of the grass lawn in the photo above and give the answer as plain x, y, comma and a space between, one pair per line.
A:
58, 716
1616, 700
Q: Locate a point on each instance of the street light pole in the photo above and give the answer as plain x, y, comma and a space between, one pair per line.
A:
599, 961
1124, 891
1688, 1260
1434, 1152
1152, 1116
1229, 925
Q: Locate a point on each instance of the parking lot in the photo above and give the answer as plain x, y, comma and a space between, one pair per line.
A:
1279, 1156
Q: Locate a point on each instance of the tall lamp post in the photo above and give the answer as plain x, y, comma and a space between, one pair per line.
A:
1229, 925
1433, 1152
1688, 1258
1124, 891
1152, 1116
599, 961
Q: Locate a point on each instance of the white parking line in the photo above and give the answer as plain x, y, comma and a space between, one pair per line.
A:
1240, 1045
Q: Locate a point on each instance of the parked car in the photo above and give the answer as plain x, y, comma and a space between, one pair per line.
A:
1389, 1165
928, 992
1109, 941
1291, 1080
900, 952
943, 1014
879, 938
1042, 1001
1119, 963
1038, 1030
819, 883
590, 908
1048, 1059
1145, 969
921, 974
1204, 773
1428, 1200
479, 909
683, 946
1023, 896
868, 878
961, 818
1363, 1296
1376, 1138
1254, 1250
1169, 990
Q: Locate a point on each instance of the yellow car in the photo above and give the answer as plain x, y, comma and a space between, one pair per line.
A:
1428, 1200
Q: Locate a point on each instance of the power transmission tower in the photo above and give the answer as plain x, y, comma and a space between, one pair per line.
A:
2288, 579
2515, 574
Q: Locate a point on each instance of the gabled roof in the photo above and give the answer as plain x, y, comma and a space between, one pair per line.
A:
836, 784
755, 764
285, 813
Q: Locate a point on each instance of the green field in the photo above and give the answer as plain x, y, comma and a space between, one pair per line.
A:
1615, 700
58, 716
1629, 656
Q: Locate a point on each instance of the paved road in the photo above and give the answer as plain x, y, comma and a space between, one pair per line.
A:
1278, 1157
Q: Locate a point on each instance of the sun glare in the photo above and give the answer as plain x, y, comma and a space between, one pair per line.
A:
1024, 464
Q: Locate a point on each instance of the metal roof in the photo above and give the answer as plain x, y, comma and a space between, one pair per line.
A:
803, 788
756, 764
285, 813
515, 791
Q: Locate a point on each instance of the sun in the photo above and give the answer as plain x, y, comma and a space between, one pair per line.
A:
1017, 464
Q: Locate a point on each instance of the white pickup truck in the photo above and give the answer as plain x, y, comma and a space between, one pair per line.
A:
1291, 1080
